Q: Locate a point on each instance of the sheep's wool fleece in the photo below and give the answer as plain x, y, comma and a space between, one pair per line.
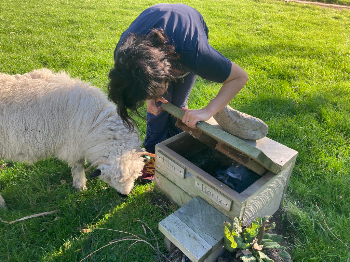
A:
43, 114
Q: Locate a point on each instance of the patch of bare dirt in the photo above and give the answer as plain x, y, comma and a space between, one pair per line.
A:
335, 6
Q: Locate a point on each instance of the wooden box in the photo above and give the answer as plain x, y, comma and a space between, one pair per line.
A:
186, 163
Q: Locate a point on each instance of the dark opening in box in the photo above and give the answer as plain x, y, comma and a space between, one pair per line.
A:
215, 163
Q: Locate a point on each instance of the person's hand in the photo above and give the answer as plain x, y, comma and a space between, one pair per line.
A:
192, 117
152, 107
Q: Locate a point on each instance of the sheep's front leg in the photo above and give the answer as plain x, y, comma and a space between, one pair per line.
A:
78, 174
2, 202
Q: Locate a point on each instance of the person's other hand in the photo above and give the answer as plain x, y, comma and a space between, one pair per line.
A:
152, 107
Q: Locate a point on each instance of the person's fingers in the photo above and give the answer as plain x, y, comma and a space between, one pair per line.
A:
186, 117
154, 110
189, 119
192, 123
159, 110
163, 100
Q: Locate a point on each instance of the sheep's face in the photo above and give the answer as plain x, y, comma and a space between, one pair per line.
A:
123, 188
120, 174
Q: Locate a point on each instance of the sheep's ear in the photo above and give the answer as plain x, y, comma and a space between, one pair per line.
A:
95, 173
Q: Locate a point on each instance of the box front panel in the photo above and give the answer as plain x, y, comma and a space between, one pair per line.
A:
195, 182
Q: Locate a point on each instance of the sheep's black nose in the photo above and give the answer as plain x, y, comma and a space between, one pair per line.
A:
122, 195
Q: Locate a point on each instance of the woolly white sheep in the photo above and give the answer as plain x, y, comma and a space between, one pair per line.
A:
43, 114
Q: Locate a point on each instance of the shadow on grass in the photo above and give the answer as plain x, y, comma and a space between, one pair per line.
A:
119, 223
69, 235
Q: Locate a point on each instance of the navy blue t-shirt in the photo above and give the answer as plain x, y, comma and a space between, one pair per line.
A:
186, 30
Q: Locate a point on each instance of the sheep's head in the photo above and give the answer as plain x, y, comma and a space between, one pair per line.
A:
120, 173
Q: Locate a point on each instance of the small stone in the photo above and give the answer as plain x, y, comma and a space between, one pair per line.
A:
241, 124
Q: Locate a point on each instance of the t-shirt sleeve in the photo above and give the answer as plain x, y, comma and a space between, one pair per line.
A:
210, 64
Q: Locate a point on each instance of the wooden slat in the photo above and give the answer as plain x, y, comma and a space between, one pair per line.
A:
196, 229
188, 241
230, 140
223, 148
241, 158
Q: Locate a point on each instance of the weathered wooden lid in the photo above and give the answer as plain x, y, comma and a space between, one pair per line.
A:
265, 153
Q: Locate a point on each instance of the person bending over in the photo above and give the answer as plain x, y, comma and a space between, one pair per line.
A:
158, 59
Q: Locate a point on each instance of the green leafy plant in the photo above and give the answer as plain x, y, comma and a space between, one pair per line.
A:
250, 243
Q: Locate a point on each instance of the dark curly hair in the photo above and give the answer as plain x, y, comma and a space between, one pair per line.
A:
143, 64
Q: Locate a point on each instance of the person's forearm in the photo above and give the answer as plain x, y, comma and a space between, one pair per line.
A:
233, 84
227, 92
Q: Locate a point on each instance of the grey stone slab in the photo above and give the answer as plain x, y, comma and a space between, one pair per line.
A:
240, 124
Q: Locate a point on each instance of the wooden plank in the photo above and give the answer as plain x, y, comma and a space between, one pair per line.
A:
198, 134
203, 218
171, 164
214, 194
196, 229
275, 151
228, 139
182, 236
241, 158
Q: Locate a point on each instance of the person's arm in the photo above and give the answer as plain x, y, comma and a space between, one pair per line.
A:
230, 88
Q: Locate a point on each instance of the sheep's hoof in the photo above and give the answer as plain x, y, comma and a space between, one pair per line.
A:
122, 195
81, 188
2, 203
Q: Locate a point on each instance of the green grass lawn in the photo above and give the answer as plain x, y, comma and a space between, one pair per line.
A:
298, 61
